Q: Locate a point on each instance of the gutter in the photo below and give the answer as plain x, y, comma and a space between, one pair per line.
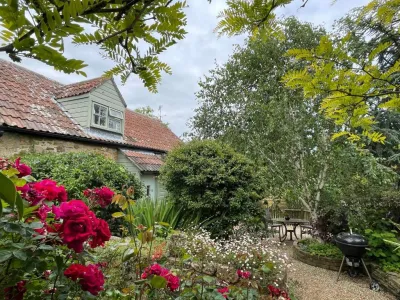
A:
75, 138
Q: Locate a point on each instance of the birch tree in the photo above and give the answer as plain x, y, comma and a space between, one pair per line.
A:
245, 104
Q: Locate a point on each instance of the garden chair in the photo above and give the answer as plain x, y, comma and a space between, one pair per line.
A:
269, 223
306, 228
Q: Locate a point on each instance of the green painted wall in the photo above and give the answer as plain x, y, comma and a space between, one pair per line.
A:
124, 161
78, 108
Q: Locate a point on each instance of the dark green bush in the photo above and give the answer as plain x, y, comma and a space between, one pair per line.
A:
79, 171
317, 248
210, 180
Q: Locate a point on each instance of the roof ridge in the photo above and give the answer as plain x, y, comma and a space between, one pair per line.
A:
144, 115
28, 70
87, 80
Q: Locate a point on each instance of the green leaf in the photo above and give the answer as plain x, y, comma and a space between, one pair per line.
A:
164, 224
45, 247
158, 282
7, 190
13, 228
118, 214
128, 254
30, 209
5, 255
20, 206
60, 264
10, 172
208, 279
20, 254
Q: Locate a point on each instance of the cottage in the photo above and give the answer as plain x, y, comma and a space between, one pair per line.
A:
38, 114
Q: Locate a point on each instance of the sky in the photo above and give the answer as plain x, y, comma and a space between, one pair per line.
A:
190, 59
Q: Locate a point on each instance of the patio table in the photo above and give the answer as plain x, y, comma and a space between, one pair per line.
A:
292, 222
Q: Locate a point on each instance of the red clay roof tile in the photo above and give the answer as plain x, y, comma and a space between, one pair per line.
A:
146, 162
79, 88
27, 102
148, 132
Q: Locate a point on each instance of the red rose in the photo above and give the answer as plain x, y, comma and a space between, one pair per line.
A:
104, 196
156, 269
172, 282
76, 231
92, 280
15, 292
243, 274
224, 291
23, 169
42, 212
62, 194
75, 271
274, 291
101, 233
70, 209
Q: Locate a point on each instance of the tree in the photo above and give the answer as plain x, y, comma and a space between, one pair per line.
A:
38, 29
356, 71
146, 110
210, 180
245, 104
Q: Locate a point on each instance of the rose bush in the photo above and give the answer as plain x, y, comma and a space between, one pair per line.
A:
45, 238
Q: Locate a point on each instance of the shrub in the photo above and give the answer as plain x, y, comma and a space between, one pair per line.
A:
81, 171
317, 248
212, 181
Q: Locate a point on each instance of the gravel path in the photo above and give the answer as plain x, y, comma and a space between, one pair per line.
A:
312, 283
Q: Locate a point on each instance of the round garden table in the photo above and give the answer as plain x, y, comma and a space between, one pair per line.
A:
292, 222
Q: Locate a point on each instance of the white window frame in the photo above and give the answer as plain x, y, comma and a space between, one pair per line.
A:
110, 113
94, 114
116, 113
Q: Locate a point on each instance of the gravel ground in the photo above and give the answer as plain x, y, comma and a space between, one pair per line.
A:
312, 283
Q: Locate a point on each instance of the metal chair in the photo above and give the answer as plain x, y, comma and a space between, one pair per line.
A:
306, 229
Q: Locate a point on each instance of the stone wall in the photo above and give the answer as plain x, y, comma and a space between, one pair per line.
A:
317, 261
390, 281
18, 144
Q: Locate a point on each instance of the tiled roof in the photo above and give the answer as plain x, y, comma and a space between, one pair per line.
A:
79, 88
146, 162
145, 131
26, 101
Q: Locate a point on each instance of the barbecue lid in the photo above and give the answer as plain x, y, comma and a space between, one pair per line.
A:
351, 239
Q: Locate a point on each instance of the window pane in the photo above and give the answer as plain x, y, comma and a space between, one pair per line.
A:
103, 111
103, 121
96, 120
115, 113
96, 109
114, 124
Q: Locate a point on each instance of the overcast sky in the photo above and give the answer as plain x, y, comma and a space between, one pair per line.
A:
189, 59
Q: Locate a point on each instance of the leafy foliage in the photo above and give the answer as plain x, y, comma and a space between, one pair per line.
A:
249, 108
210, 180
317, 248
355, 81
40, 29
121, 29
79, 171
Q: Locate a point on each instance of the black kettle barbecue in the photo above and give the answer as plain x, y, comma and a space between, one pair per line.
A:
353, 247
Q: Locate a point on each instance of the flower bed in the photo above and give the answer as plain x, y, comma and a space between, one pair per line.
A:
311, 258
64, 243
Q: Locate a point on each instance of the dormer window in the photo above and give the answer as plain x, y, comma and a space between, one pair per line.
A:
107, 118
